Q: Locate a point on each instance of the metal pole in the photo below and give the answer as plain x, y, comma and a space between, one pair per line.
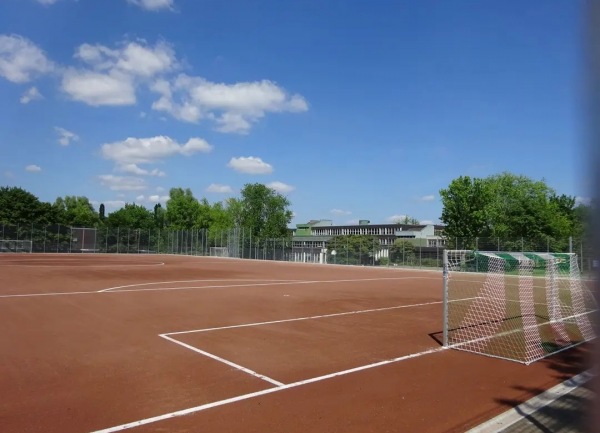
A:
570, 244
445, 297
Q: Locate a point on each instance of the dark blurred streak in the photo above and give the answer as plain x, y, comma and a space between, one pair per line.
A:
592, 125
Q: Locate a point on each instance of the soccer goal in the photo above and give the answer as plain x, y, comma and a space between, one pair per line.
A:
15, 246
219, 251
516, 306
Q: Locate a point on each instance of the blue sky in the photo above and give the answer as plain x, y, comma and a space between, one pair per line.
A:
353, 109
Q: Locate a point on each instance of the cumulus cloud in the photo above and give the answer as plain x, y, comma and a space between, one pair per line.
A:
152, 5
250, 165
65, 137
148, 150
95, 88
233, 107
32, 94
111, 75
340, 212
281, 187
427, 198
122, 183
33, 168
153, 199
138, 171
218, 188
21, 60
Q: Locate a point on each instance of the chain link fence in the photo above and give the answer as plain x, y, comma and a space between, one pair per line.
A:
237, 243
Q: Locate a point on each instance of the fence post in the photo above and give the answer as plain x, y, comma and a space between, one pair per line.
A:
570, 244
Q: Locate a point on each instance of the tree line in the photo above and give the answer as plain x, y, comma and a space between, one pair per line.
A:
502, 206
260, 211
509, 206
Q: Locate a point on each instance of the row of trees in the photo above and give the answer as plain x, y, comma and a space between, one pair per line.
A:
260, 211
503, 206
508, 206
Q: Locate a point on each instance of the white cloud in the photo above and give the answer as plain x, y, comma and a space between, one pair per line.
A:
47, 2
31, 94
95, 88
426, 222
427, 198
250, 165
65, 137
33, 168
138, 171
153, 5
160, 189
158, 198
233, 107
114, 203
122, 183
21, 60
148, 150
281, 187
218, 188
340, 212
152, 199
112, 75
9, 174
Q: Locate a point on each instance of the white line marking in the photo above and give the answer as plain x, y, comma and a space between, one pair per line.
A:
27, 295
188, 281
224, 361
79, 265
511, 416
265, 391
296, 319
284, 283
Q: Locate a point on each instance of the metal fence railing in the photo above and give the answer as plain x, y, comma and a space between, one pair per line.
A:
341, 250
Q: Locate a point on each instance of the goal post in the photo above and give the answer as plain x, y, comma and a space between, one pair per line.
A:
516, 306
15, 246
219, 252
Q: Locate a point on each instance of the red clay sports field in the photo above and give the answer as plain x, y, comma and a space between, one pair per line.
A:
105, 343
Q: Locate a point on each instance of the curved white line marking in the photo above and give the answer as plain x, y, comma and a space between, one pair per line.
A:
187, 281
31, 295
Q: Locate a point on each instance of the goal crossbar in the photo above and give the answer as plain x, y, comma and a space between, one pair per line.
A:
520, 306
15, 246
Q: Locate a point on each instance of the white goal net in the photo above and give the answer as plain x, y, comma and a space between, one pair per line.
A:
219, 251
15, 246
516, 306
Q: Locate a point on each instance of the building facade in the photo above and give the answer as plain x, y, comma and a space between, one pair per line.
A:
311, 241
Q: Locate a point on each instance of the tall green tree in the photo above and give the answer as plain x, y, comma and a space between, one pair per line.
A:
131, 216
263, 212
402, 251
159, 216
76, 211
183, 209
353, 249
506, 206
102, 212
20, 207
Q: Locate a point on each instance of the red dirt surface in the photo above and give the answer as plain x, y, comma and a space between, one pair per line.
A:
74, 359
